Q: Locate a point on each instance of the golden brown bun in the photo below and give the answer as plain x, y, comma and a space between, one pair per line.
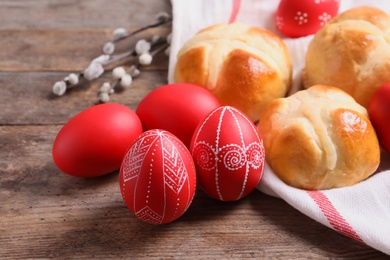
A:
244, 66
351, 52
319, 138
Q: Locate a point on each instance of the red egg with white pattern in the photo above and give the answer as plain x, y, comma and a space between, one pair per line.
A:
228, 154
158, 177
304, 17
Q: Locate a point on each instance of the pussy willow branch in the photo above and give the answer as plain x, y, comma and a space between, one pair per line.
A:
101, 63
141, 30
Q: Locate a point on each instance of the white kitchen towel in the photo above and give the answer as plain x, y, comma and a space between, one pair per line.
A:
362, 211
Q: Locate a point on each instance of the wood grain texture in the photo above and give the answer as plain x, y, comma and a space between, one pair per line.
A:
75, 14
45, 213
62, 50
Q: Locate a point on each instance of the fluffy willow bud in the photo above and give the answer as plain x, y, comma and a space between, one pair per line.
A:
59, 88
118, 72
104, 97
93, 71
126, 81
142, 46
145, 59
109, 48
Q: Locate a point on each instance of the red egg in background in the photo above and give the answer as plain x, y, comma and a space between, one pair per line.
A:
304, 17
94, 142
177, 108
228, 154
379, 112
158, 177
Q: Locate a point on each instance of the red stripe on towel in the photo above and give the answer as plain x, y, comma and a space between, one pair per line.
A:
334, 217
235, 9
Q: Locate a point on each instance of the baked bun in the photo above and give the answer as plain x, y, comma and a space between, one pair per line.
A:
243, 66
319, 138
351, 52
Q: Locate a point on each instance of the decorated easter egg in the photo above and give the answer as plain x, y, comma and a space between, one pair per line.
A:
94, 142
177, 108
158, 177
304, 17
228, 154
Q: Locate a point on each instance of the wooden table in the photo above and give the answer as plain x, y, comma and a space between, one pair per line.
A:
45, 213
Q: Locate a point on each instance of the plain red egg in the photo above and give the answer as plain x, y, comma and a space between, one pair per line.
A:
158, 177
304, 17
94, 142
379, 112
228, 154
177, 108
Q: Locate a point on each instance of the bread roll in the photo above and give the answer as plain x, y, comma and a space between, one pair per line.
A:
351, 52
244, 66
319, 138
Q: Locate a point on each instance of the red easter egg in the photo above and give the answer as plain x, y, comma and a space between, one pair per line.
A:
177, 108
304, 17
228, 154
158, 177
379, 112
94, 142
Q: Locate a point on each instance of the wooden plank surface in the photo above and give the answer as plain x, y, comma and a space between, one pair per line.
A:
76, 14
45, 213
27, 50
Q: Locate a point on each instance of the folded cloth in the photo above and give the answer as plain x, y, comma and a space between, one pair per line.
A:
362, 211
